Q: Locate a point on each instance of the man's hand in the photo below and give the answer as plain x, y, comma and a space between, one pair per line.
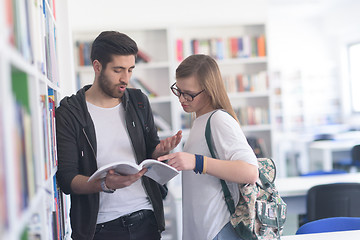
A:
114, 180
166, 145
80, 184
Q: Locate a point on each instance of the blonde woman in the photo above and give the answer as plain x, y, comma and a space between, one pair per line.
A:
201, 90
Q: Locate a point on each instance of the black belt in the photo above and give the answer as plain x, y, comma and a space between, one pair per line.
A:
129, 219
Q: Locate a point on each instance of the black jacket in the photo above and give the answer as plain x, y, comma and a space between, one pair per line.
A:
76, 148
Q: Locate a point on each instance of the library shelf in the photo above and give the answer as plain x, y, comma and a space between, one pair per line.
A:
31, 204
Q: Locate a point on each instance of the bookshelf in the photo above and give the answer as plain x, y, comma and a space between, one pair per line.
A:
32, 207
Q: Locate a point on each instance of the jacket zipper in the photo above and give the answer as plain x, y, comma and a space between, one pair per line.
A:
87, 139
93, 151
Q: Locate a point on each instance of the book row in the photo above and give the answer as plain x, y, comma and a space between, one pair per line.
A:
233, 83
30, 172
84, 51
246, 82
224, 48
52, 219
4, 221
248, 115
219, 48
32, 31
251, 115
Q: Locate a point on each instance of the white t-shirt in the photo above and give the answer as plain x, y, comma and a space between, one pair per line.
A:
204, 210
114, 144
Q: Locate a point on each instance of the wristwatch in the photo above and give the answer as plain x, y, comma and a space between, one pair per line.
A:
105, 188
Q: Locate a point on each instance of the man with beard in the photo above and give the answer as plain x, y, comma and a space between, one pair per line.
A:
100, 125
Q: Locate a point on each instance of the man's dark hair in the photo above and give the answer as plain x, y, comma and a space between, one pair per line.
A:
110, 43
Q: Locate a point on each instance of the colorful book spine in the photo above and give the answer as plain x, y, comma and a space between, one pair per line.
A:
179, 50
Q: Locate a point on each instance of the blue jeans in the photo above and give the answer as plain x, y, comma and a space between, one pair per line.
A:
136, 226
227, 233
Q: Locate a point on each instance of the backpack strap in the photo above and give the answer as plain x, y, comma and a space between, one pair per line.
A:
227, 195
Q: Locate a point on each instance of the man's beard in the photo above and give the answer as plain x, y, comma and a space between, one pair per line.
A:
108, 88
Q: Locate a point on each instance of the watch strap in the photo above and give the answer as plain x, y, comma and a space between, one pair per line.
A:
105, 188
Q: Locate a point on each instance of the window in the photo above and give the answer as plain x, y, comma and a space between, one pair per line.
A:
354, 74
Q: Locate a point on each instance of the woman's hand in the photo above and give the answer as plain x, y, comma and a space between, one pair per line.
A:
180, 160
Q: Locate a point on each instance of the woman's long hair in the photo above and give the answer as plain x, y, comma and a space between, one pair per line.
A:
205, 69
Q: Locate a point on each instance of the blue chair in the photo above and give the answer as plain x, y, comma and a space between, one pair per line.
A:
330, 225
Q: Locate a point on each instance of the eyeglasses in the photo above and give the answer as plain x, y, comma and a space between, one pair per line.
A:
187, 96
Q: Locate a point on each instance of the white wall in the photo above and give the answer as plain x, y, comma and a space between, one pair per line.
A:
308, 36
343, 25
107, 14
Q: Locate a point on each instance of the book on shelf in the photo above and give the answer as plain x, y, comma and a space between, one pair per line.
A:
179, 49
257, 82
220, 49
251, 115
51, 65
234, 47
213, 46
142, 57
240, 83
204, 46
138, 83
261, 46
9, 31
254, 47
56, 212
230, 82
59, 212
246, 46
45, 134
3, 190
195, 46
35, 16
53, 7
80, 48
52, 133
161, 123
258, 145
229, 48
186, 120
25, 171
240, 47
33, 229
158, 171
255, 145
84, 50
21, 38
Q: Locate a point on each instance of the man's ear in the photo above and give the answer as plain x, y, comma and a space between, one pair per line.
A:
97, 66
